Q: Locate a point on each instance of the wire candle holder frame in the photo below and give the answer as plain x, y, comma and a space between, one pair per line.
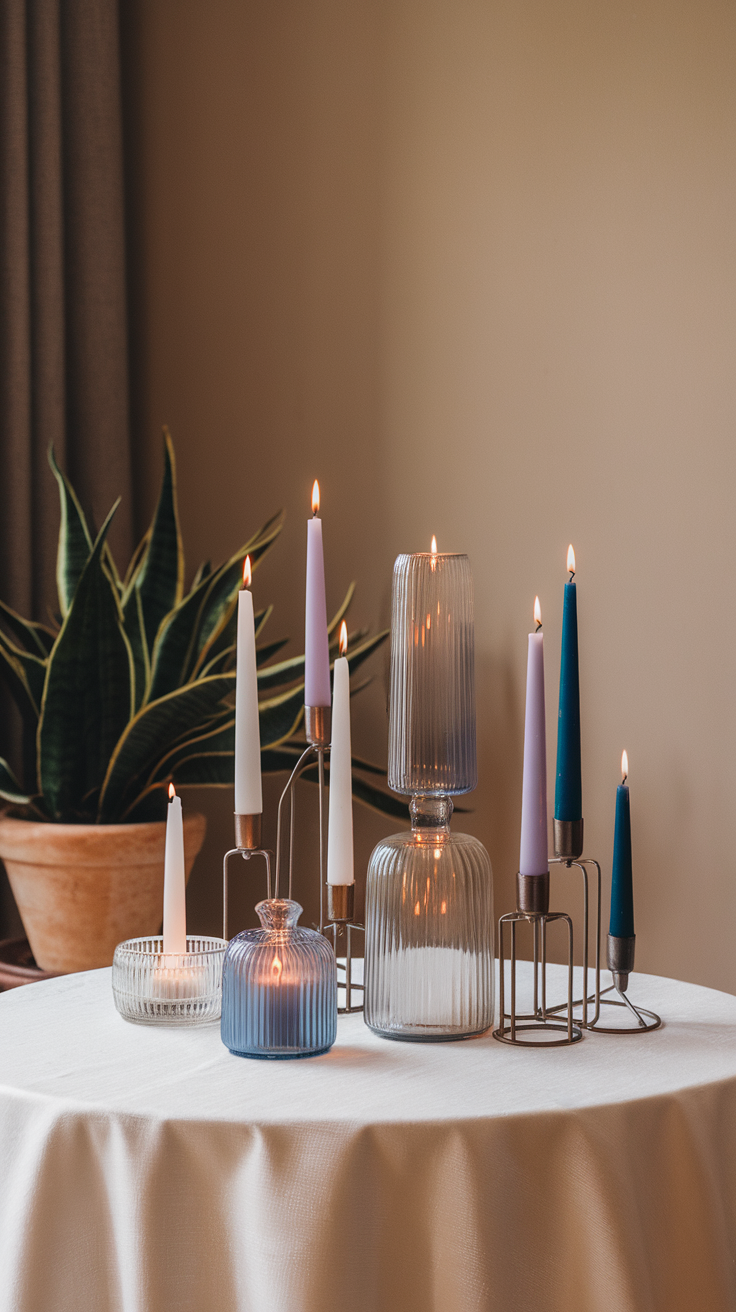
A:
533, 907
247, 838
568, 844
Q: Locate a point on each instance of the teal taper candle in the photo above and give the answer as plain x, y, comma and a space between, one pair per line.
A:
622, 886
568, 784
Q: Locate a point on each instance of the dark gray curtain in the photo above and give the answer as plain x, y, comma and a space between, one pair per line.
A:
63, 333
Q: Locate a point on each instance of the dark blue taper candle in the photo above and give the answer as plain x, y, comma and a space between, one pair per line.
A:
568, 784
622, 885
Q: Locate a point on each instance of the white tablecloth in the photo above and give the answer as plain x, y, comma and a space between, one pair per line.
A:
148, 1170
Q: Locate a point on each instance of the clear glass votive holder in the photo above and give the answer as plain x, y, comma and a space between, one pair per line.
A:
279, 987
153, 987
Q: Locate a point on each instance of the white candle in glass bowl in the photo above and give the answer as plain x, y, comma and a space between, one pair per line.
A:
175, 879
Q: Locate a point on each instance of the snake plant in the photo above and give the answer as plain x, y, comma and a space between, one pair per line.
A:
134, 686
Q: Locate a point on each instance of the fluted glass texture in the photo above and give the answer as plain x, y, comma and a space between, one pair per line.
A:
432, 699
429, 932
154, 987
279, 987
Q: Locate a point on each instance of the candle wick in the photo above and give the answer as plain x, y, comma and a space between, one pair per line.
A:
538, 627
623, 781
572, 575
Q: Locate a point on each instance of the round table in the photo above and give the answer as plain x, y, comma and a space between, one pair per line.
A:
148, 1170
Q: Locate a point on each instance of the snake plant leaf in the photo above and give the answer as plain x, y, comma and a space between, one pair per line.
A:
217, 736
342, 612
10, 789
294, 748
275, 676
176, 654
223, 651
282, 759
223, 662
270, 649
174, 642
136, 564
365, 649
135, 631
150, 733
75, 543
204, 570
36, 638
260, 620
278, 717
87, 699
15, 679
30, 669
221, 596
160, 580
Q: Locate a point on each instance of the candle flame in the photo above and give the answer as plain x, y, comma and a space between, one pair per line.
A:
276, 969
433, 547
247, 572
172, 792
343, 638
315, 498
537, 612
571, 559
625, 765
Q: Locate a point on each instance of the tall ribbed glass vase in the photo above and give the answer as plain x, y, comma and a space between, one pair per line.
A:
429, 899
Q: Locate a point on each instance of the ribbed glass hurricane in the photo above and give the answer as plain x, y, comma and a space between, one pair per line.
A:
153, 987
279, 987
429, 931
432, 700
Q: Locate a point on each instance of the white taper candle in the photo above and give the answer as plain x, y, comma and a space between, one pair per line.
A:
340, 860
248, 788
175, 880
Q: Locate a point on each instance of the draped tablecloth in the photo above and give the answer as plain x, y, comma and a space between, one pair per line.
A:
148, 1170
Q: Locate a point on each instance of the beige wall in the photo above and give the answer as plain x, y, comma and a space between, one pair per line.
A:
472, 264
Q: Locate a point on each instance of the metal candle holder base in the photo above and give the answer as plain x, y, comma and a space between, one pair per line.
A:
620, 961
532, 906
247, 840
568, 842
340, 910
339, 924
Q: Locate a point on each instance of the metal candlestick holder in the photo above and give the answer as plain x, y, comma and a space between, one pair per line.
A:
568, 842
247, 845
568, 845
340, 924
620, 961
532, 907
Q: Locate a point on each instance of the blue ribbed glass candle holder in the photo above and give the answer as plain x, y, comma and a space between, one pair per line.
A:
279, 987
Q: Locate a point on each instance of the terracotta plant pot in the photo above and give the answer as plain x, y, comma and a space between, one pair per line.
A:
82, 889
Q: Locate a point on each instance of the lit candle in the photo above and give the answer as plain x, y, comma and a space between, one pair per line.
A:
622, 886
175, 882
316, 642
340, 867
533, 854
248, 793
568, 784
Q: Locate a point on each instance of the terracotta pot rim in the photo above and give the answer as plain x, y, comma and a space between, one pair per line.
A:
56, 827
39, 843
